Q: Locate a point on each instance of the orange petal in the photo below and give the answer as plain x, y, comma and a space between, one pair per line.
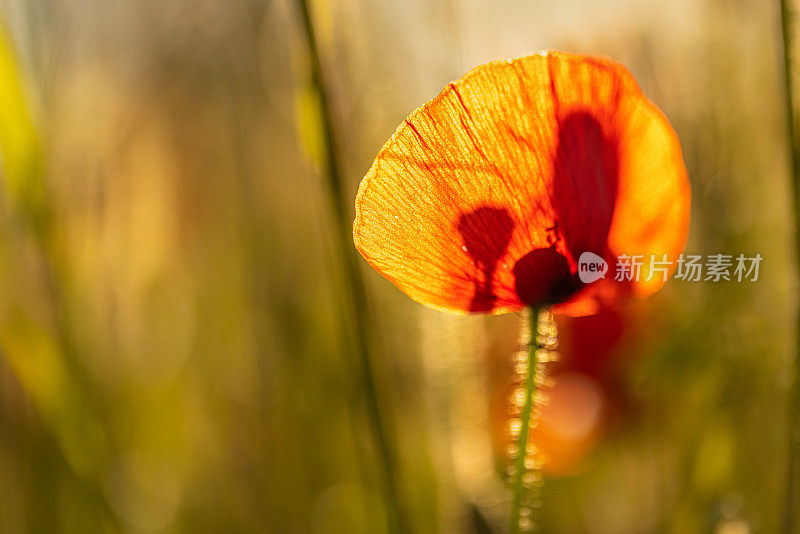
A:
484, 197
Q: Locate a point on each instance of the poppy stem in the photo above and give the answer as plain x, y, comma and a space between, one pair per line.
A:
789, 22
524, 458
357, 301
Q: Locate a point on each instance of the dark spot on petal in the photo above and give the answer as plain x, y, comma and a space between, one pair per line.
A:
486, 233
586, 175
543, 276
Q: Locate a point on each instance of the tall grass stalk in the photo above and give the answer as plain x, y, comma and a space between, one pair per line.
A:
362, 324
789, 22
68, 405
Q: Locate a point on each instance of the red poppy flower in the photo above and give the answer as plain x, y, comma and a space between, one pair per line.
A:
485, 197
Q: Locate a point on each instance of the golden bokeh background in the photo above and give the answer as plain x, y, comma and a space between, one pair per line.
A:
175, 354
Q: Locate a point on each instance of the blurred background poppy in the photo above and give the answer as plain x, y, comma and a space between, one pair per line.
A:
173, 352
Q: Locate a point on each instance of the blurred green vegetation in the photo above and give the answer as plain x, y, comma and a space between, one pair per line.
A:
173, 352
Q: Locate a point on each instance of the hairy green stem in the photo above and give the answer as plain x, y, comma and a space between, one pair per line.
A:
789, 29
356, 291
518, 486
